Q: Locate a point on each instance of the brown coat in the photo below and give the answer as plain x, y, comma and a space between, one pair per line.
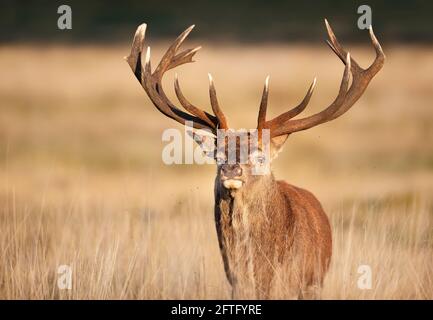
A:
269, 230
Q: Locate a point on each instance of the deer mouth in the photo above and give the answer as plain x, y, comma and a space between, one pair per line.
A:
232, 184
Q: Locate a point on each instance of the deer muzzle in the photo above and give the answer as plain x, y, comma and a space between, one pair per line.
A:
231, 176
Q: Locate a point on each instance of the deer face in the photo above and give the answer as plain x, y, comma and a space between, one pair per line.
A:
241, 161
233, 176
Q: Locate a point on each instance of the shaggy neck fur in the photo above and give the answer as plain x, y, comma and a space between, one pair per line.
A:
248, 222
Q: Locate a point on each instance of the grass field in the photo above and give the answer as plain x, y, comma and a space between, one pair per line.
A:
82, 182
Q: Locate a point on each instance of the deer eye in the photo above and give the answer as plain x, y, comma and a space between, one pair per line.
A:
261, 159
258, 158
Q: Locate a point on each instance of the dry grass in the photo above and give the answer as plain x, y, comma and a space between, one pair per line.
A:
82, 184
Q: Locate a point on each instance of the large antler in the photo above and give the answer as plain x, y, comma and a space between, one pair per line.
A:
152, 83
283, 125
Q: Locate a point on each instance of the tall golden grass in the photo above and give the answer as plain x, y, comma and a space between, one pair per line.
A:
82, 182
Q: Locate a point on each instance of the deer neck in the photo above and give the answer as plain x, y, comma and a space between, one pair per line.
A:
251, 202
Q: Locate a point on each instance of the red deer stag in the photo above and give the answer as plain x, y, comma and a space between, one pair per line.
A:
269, 231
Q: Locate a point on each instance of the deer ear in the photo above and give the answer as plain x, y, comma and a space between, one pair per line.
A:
205, 141
277, 145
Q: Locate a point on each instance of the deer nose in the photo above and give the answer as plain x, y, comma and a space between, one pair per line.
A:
231, 171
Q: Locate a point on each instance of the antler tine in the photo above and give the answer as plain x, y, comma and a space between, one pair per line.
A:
161, 102
183, 57
261, 120
296, 110
323, 116
210, 119
134, 58
147, 66
222, 122
167, 58
380, 55
151, 82
345, 98
362, 77
171, 60
338, 48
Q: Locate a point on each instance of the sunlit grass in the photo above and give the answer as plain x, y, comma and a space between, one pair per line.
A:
82, 182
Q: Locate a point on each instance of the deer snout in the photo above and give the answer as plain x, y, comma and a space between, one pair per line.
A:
231, 176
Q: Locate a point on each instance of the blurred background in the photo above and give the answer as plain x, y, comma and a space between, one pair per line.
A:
81, 177
240, 21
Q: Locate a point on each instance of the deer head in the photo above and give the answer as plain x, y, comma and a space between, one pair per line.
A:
233, 171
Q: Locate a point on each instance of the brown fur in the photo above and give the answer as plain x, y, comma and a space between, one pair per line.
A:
269, 225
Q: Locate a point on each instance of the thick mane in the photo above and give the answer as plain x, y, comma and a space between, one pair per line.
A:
271, 226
